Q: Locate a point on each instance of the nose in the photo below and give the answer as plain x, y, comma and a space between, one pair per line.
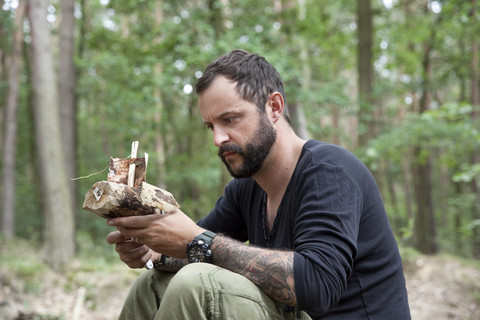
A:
220, 137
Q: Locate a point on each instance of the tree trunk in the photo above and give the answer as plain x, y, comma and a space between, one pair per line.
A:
425, 226
297, 113
219, 18
390, 180
365, 72
3, 74
67, 80
2, 52
335, 114
160, 158
475, 100
10, 144
58, 223
368, 115
406, 187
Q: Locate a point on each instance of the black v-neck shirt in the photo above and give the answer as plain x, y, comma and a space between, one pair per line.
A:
346, 261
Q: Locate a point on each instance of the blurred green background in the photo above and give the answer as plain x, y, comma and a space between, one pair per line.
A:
395, 82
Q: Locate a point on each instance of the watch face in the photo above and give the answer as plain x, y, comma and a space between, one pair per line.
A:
196, 255
199, 250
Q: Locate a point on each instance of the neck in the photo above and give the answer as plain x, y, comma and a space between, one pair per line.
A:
278, 167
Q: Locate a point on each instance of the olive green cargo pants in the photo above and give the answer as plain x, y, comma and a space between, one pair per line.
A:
200, 291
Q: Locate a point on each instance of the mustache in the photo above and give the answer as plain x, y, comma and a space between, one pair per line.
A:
229, 148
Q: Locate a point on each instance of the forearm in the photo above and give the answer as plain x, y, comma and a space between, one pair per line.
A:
270, 270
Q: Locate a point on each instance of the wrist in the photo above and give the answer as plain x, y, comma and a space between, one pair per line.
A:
161, 262
199, 250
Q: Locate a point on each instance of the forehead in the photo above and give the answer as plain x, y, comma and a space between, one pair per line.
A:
220, 97
220, 87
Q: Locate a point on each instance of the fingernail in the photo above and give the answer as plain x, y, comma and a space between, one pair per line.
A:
110, 222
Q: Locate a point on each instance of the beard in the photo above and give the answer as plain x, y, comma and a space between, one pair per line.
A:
255, 151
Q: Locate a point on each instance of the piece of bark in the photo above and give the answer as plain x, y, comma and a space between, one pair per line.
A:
109, 200
119, 168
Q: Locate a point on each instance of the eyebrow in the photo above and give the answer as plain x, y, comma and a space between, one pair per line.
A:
224, 115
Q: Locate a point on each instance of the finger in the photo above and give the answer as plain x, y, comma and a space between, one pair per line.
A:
139, 263
115, 237
131, 234
137, 258
133, 222
155, 255
147, 256
129, 246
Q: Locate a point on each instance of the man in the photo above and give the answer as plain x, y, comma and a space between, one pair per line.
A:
320, 245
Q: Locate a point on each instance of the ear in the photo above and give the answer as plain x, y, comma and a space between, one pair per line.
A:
275, 106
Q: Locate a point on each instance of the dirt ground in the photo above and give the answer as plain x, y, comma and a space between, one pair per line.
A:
439, 288
443, 288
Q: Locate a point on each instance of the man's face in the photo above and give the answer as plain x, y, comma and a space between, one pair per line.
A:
253, 153
243, 136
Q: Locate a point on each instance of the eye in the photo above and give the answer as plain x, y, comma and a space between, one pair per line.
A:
209, 127
229, 119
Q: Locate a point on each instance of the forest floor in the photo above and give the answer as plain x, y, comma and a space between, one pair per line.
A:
440, 287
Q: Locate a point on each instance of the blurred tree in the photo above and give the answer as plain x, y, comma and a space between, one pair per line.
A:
425, 225
475, 101
366, 112
138, 61
59, 227
6, 23
10, 147
429, 111
296, 107
160, 158
67, 82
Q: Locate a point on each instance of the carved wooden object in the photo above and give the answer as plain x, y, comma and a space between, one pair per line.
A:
110, 200
126, 193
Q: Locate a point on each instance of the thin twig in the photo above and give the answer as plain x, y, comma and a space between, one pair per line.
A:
92, 174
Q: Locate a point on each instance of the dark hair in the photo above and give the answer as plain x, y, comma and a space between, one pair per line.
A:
255, 78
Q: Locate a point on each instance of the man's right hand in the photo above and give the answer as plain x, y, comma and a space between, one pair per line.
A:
132, 253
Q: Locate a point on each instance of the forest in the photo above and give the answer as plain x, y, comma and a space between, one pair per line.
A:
394, 81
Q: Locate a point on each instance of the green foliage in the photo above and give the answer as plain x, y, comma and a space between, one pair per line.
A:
448, 135
441, 132
137, 70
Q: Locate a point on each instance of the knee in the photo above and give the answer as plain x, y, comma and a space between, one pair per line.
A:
145, 279
150, 280
191, 277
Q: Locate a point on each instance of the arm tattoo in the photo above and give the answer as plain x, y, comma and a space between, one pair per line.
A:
270, 270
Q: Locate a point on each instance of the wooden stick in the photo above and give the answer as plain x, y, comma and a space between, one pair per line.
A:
131, 169
131, 182
79, 303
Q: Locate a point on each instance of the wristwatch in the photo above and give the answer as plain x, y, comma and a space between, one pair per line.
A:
199, 249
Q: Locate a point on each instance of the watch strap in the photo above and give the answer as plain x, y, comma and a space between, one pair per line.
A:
207, 236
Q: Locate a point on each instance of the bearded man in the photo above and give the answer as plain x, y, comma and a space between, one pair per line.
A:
319, 242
